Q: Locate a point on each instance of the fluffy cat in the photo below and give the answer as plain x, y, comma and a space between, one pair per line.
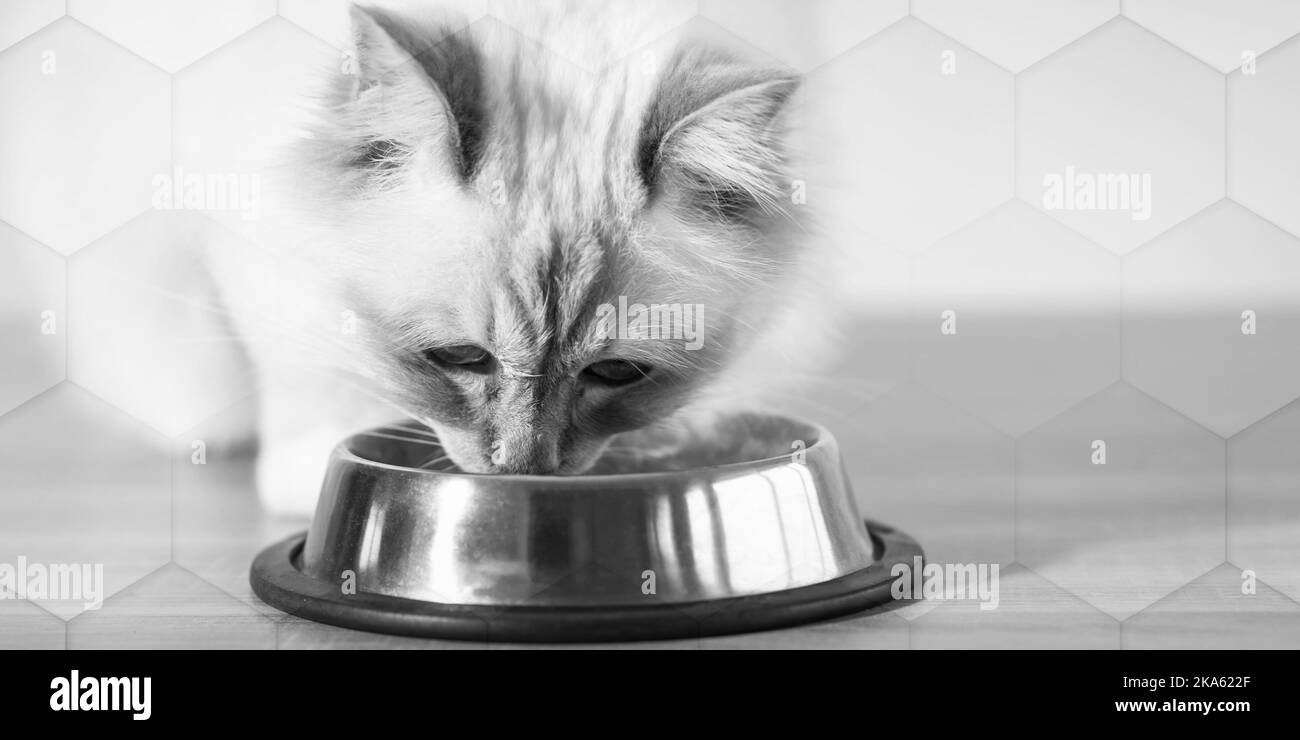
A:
466, 203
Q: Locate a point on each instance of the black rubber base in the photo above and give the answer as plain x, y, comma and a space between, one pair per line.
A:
276, 579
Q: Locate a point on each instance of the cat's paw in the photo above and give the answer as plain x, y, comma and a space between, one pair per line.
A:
289, 475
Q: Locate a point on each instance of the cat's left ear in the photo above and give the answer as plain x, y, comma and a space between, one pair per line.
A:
416, 85
713, 136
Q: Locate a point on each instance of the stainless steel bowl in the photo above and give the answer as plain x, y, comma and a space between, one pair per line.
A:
754, 527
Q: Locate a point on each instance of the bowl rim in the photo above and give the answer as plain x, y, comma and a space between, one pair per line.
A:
343, 453
276, 577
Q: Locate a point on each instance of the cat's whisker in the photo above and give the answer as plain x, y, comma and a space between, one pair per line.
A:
292, 333
363, 228
412, 431
187, 299
310, 346
365, 386
234, 338
427, 464
399, 438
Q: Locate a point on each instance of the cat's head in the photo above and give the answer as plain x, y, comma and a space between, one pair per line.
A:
544, 258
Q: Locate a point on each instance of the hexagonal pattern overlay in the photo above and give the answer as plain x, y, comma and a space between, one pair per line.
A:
1024, 612
1017, 318
25, 626
1015, 33
923, 465
920, 127
82, 484
218, 527
916, 152
868, 356
32, 318
18, 18
1219, 31
1264, 500
66, 182
1212, 323
237, 107
147, 331
1120, 136
807, 34
1120, 500
1221, 610
1263, 150
328, 19
178, 610
171, 33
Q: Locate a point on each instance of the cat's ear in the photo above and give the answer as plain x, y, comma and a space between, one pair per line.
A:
713, 136
381, 58
416, 85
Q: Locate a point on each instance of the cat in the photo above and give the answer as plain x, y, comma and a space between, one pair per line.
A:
469, 218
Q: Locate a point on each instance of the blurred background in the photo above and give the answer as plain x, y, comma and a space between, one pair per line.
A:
1068, 256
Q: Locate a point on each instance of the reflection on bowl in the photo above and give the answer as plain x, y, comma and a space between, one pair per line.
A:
759, 509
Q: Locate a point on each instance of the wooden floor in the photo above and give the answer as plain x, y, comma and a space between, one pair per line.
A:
176, 539
1102, 428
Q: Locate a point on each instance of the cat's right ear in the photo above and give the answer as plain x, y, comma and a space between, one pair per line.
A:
380, 57
417, 88
713, 134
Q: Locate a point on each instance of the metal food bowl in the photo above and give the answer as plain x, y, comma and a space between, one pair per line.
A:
754, 528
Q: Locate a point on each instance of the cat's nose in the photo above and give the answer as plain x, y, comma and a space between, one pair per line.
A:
526, 453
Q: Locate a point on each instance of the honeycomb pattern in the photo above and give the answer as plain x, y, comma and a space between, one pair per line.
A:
328, 19
828, 28
1032, 614
1120, 103
171, 33
1259, 136
171, 604
1221, 33
1032, 341
1120, 487
62, 187
1190, 296
59, 506
1015, 33
1262, 500
25, 626
20, 18
33, 297
1263, 619
1067, 223
941, 158
175, 370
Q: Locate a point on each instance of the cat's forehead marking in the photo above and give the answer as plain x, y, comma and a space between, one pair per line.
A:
560, 170
560, 158
560, 141
548, 296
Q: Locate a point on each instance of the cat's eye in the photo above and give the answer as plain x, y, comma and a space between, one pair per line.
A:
383, 154
616, 372
464, 356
